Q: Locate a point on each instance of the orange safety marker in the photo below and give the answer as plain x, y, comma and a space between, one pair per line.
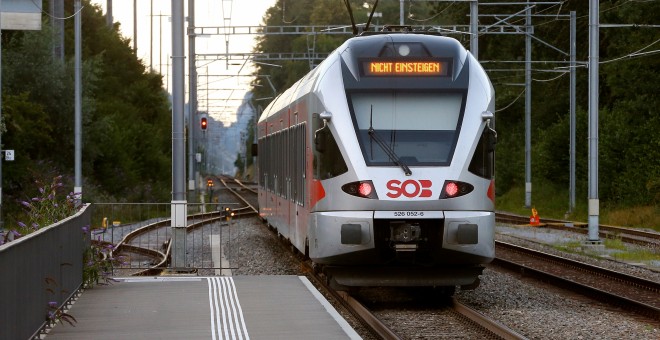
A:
534, 219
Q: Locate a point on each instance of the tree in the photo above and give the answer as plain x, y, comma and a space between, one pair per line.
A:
126, 115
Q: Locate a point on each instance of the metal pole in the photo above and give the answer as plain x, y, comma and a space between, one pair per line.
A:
160, 42
401, 19
528, 108
593, 120
179, 203
108, 14
135, 25
77, 189
151, 36
57, 12
192, 97
474, 29
2, 158
571, 203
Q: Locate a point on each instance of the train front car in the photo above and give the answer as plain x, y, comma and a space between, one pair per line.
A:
403, 164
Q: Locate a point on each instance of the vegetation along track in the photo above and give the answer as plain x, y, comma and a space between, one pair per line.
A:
628, 235
629, 292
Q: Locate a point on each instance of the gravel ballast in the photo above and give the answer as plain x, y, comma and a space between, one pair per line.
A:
532, 309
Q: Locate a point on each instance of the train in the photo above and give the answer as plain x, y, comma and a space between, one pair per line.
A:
378, 164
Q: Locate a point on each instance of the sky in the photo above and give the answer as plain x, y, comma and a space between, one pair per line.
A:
219, 89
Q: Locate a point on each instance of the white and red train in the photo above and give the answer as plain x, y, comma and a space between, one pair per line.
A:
379, 163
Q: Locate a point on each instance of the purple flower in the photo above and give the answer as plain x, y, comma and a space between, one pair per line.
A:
26, 204
41, 190
52, 304
51, 315
15, 233
85, 229
21, 224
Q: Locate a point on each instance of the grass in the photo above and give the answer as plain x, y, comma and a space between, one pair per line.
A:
615, 249
552, 202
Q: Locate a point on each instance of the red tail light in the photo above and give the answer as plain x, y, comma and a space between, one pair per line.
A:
453, 189
364, 189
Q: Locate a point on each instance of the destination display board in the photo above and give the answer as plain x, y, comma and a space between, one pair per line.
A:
418, 68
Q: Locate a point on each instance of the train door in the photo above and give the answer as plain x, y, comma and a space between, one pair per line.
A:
298, 179
287, 193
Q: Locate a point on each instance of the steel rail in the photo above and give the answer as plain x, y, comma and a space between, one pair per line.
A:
235, 193
489, 324
649, 286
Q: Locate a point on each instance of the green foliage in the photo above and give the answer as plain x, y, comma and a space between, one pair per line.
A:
126, 117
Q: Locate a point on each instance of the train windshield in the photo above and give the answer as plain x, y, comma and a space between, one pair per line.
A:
417, 128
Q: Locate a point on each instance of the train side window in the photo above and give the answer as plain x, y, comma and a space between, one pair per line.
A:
483, 160
328, 161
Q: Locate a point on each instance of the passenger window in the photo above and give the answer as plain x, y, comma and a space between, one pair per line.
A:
483, 161
328, 161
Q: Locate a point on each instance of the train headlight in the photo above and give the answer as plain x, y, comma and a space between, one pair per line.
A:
453, 189
364, 189
404, 50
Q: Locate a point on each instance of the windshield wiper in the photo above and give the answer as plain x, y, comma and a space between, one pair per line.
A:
388, 150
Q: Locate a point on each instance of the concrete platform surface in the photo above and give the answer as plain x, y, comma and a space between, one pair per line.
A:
222, 307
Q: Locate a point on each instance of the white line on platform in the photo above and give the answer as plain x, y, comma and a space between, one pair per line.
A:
226, 313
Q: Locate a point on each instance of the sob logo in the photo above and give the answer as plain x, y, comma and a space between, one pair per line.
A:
409, 188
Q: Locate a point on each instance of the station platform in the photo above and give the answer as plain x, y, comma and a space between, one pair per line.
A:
220, 307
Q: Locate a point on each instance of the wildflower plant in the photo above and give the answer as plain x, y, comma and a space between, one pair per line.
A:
45, 208
55, 313
98, 261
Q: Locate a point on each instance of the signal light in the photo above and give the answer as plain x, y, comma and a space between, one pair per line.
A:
203, 123
453, 189
209, 183
227, 213
364, 189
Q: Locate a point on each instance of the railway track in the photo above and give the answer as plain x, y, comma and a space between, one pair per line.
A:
628, 235
618, 289
149, 248
483, 325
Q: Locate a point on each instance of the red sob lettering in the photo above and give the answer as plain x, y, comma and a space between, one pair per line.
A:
409, 188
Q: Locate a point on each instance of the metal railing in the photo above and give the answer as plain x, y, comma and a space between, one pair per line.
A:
46, 267
37, 269
142, 236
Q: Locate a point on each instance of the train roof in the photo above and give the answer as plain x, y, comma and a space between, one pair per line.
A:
374, 45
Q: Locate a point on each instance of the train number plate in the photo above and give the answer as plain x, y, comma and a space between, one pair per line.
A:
408, 214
